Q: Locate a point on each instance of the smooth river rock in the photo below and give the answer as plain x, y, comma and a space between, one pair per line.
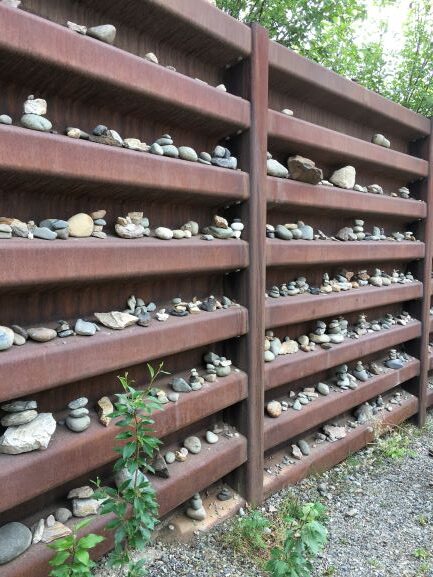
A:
344, 177
36, 122
104, 33
80, 225
15, 419
6, 338
15, 538
193, 444
42, 334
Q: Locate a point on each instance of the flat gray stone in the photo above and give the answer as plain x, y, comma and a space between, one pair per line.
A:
36, 122
193, 444
15, 419
44, 233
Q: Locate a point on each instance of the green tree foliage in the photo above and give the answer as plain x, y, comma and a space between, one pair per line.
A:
343, 36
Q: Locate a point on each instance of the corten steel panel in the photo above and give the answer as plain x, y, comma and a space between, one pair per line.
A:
298, 252
253, 288
294, 134
291, 423
328, 455
198, 26
345, 96
58, 159
291, 310
214, 462
287, 368
24, 262
41, 366
284, 192
70, 456
85, 61
425, 268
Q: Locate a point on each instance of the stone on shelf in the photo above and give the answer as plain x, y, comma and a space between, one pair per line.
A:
15, 539
19, 406
344, 177
116, 320
104, 408
104, 33
193, 444
83, 492
85, 328
21, 418
80, 225
36, 106
151, 57
6, 338
380, 140
163, 233
187, 153
85, 507
304, 170
77, 28
5, 119
274, 409
29, 437
41, 334
275, 168
55, 531
35, 122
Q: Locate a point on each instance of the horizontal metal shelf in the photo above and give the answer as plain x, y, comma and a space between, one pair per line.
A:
296, 136
37, 367
47, 162
201, 471
291, 193
289, 368
71, 455
293, 423
327, 455
134, 84
324, 88
92, 260
290, 310
298, 252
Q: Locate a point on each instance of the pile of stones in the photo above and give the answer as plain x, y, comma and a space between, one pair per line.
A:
357, 232
78, 419
195, 509
326, 335
83, 502
80, 225
26, 429
342, 281
220, 229
33, 118
105, 32
216, 367
290, 231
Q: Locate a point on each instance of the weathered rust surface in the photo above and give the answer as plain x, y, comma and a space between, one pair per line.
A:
39, 366
24, 262
283, 193
306, 138
291, 423
205, 469
295, 252
326, 89
288, 368
70, 455
59, 159
290, 310
327, 455
84, 60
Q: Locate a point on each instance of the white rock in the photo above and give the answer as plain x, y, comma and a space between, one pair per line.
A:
151, 57
116, 320
76, 27
30, 437
344, 177
287, 112
35, 106
163, 233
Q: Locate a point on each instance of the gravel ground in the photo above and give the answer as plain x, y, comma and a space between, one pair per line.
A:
380, 520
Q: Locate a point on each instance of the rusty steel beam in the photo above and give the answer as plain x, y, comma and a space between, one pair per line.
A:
291, 193
299, 252
295, 135
54, 159
70, 456
85, 59
41, 366
24, 262
328, 455
342, 95
287, 368
291, 423
291, 310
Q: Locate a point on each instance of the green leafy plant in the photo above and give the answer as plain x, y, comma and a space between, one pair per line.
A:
72, 557
421, 553
305, 537
395, 445
133, 503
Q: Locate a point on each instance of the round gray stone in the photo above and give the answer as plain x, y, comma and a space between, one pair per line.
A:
188, 153
193, 444
36, 122
15, 419
15, 538
78, 425
78, 403
5, 119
